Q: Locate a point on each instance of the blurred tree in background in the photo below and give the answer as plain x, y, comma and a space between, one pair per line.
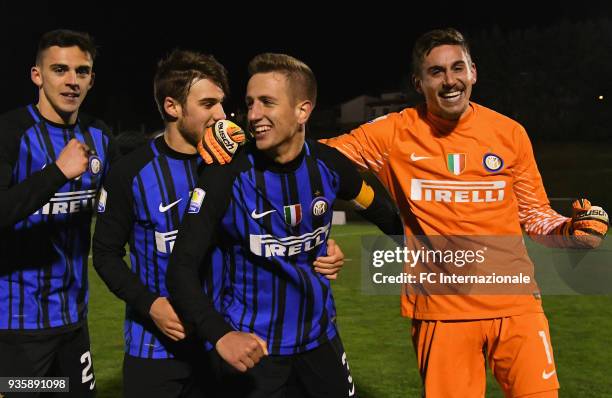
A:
550, 80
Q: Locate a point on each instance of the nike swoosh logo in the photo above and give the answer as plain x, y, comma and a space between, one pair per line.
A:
547, 376
352, 391
92, 385
260, 215
163, 209
416, 158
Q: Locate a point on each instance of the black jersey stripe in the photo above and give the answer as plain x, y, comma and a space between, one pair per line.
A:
142, 192
316, 186
76, 185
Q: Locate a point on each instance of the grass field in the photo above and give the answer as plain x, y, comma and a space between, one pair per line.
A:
377, 340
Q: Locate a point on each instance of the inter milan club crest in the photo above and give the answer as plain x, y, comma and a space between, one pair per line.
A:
319, 206
455, 162
95, 164
492, 162
293, 214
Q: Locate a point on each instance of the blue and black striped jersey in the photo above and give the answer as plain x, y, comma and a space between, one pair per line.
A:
45, 220
145, 197
274, 221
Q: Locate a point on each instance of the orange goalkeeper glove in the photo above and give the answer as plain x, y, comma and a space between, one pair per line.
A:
588, 225
220, 142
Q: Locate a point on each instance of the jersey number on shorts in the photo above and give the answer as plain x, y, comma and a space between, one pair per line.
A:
86, 375
546, 346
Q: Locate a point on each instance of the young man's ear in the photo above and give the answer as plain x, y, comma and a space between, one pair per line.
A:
172, 107
93, 78
303, 110
416, 82
36, 76
474, 74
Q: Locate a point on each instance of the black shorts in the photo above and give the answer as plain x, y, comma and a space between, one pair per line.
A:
319, 373
167, 378
65, 354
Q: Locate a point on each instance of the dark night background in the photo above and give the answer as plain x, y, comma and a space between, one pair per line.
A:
546, 67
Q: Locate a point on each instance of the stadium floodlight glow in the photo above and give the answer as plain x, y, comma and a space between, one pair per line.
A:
233, 114
600, 97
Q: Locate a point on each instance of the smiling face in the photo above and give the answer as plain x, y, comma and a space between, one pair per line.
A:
271, 114
64, 76
445, 79
276, 117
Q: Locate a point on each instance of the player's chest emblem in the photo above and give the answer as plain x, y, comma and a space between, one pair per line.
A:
319, 206
455, 163
293, 214
95, 165
492, 162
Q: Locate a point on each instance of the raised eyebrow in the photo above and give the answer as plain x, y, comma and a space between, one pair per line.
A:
211, 100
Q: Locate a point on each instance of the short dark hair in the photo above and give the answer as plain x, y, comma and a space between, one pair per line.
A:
433, 39
298, 74
66, 38
180, 70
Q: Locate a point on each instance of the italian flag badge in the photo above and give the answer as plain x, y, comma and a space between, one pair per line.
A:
293, 214
455, 162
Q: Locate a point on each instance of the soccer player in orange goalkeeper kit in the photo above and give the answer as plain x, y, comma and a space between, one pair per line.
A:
429, 157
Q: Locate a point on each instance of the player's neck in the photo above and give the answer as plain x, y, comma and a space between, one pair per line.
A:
51, 114
446, 125
176, 141
287, 151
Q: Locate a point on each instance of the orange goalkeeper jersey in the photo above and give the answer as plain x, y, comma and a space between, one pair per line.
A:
475, 176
